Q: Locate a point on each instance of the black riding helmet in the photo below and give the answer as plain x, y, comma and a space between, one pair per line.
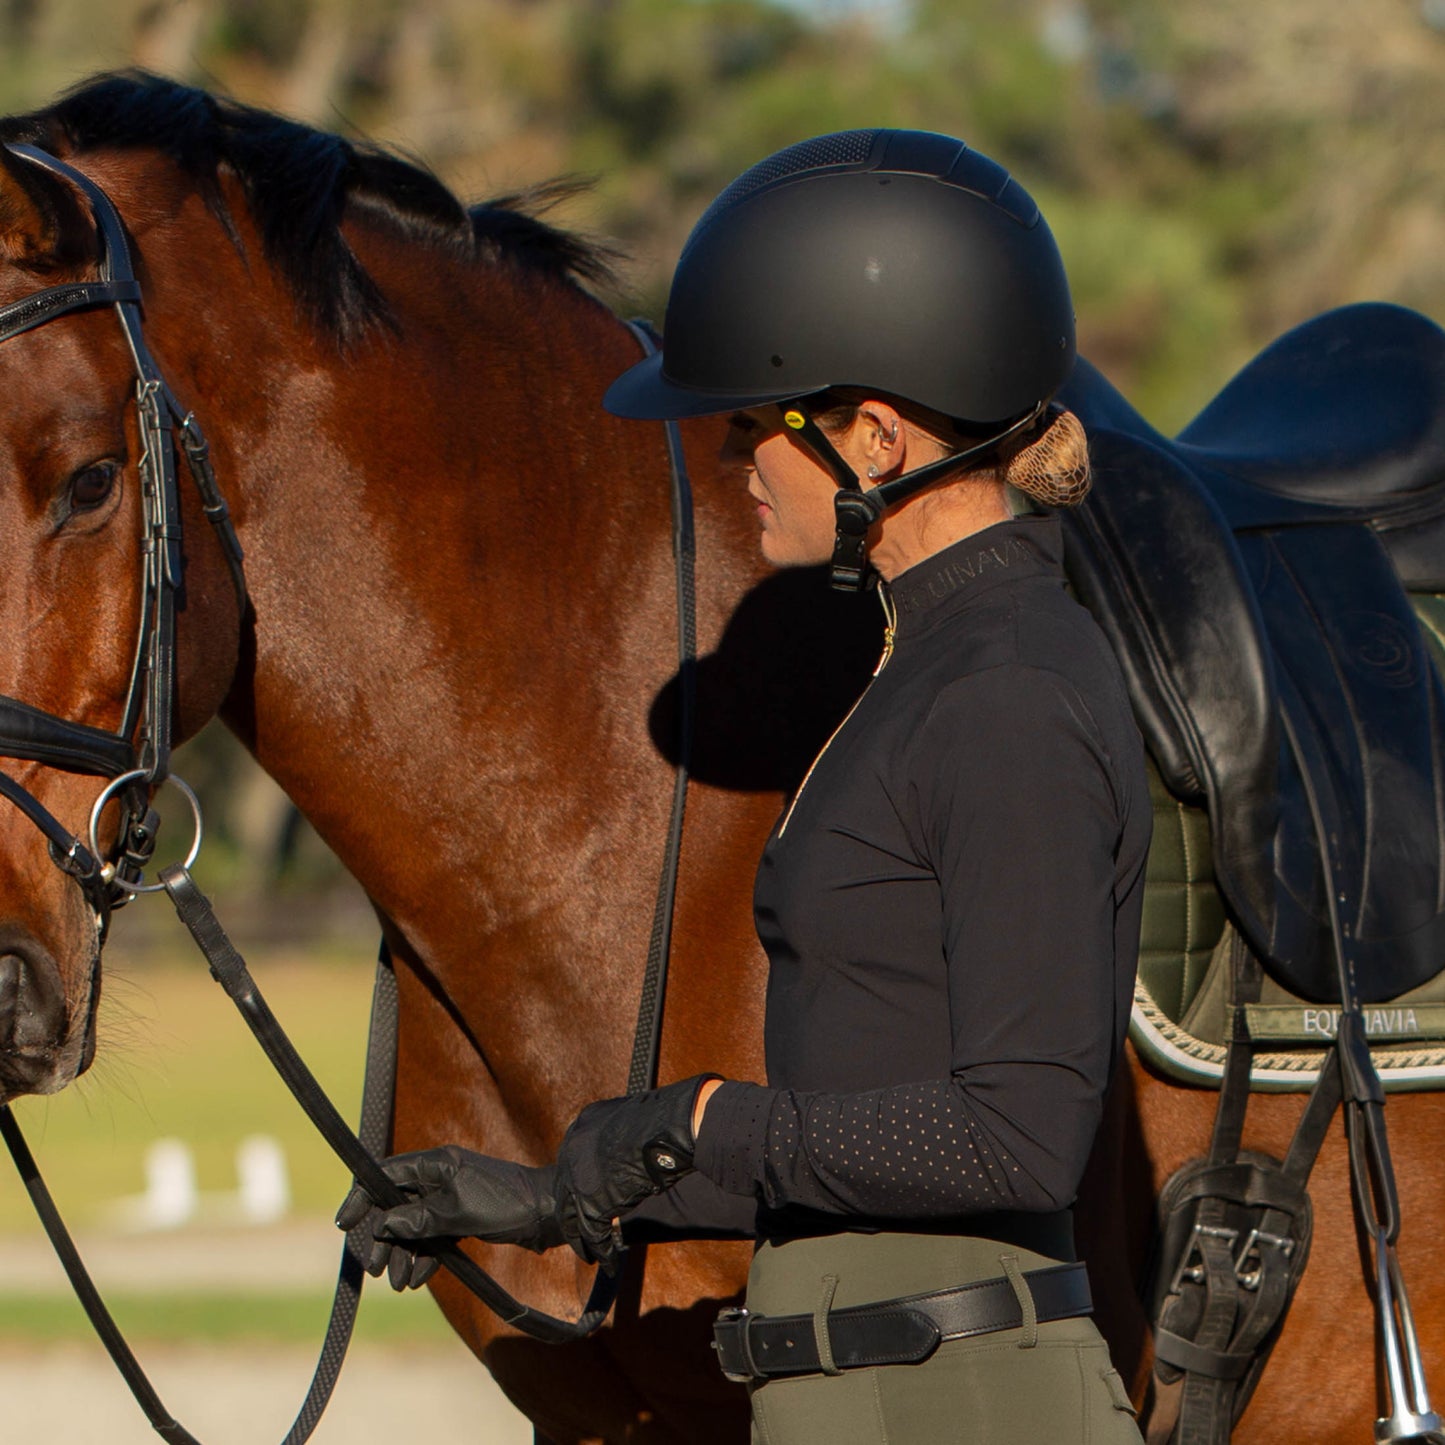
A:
897, 261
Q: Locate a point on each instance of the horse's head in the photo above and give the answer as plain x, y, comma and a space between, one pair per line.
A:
78, 623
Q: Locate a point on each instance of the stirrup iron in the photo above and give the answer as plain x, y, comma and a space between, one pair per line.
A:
1410, 1419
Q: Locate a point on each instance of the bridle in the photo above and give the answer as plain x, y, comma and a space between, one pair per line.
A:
136, 757
136, 760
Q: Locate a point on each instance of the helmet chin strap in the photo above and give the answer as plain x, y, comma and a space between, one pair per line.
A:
856, 510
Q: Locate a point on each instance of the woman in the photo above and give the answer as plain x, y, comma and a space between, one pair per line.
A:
950, 902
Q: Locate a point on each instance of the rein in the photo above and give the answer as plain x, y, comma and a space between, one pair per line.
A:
137, 768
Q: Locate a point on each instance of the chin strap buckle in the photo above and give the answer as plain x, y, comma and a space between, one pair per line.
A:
855, 513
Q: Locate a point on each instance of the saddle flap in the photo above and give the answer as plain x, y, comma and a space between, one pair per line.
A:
1277, 672
1363, 707
1153, 559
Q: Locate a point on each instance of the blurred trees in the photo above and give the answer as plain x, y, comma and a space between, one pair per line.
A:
1216, 170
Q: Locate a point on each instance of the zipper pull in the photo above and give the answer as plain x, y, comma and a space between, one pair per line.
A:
887, 651
890, 624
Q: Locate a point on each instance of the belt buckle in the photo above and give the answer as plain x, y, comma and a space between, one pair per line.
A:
728, 1360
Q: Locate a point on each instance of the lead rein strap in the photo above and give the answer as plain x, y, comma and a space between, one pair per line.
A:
230, 971
162, 1421
374, 1130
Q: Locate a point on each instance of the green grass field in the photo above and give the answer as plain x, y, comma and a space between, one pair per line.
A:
176, 1061
384, 1318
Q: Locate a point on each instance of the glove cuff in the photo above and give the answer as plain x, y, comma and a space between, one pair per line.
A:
668, 1155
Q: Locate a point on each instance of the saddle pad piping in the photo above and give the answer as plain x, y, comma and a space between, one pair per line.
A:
1182, 1056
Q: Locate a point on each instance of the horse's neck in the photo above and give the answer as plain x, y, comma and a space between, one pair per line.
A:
462, 602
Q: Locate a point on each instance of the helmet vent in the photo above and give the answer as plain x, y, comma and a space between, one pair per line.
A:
845, 148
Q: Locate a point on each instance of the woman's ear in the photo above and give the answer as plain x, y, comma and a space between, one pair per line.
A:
881, 439
44, 224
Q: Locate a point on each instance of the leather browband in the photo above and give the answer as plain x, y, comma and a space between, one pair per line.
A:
42, 306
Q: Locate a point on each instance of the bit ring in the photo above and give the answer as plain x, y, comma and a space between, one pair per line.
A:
107, 793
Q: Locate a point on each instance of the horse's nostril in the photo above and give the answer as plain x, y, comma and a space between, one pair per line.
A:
12, 977
32, 1007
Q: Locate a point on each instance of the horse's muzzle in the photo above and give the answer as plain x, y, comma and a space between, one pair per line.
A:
33, 1019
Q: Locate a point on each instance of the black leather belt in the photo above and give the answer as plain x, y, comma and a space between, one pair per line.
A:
893, 1332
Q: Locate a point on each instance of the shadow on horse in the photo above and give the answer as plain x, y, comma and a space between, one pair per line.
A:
454, 654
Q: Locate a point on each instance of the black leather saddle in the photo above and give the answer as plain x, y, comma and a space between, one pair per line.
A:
1252, 575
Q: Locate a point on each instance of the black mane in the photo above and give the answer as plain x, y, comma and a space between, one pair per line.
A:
299, 182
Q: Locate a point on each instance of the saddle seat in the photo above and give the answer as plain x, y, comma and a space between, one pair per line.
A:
1275, 663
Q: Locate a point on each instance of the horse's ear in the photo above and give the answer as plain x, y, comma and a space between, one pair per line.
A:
43, 220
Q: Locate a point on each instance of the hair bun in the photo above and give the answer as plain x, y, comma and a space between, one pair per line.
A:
1053, 468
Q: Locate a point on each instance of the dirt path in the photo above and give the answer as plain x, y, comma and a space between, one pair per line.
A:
235, 1394
247, 1395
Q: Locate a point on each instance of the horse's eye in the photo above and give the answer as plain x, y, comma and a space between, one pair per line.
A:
90, 486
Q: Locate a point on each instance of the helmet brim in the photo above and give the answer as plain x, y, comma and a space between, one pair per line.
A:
644, 393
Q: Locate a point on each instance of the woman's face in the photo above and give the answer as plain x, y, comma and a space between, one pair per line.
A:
793, 491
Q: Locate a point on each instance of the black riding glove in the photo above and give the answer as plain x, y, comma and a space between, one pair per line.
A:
458, 1195
616, 1154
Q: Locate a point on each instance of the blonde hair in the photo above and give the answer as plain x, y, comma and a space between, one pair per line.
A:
1053, 468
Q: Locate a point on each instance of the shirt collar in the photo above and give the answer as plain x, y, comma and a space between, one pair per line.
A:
948, 581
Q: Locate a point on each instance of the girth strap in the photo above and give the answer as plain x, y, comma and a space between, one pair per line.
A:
1235, 1230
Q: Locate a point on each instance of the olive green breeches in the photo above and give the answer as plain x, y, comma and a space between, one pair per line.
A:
1052, 1383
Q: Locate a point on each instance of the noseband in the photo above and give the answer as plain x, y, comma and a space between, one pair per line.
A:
136, 757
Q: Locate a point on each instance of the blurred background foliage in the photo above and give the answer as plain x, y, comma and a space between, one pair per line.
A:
1215, 170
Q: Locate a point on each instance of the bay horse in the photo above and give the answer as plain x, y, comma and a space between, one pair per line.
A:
455, 658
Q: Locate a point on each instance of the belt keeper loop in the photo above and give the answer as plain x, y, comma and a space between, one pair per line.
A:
1024, 1295
820, 1326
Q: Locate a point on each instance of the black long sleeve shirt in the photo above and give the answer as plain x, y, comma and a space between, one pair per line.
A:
950, 909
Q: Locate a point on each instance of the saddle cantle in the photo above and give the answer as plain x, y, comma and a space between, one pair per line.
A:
1249, 577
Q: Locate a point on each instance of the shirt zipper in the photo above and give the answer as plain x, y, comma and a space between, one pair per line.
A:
890, 624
